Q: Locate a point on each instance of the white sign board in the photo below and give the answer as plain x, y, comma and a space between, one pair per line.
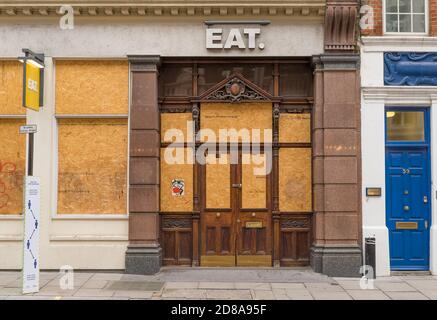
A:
31, 235
29, 128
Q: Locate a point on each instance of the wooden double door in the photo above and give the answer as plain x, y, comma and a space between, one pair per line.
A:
235, 221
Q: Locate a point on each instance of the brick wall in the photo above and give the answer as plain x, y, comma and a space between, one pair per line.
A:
378, 15
433, 17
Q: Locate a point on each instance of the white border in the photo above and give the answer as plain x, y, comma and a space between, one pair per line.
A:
374, 101
405, 34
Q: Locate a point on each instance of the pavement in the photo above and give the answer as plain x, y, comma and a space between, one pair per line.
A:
214, 283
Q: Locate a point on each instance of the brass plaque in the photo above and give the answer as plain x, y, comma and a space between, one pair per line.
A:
254, 224
373, 192
407, 226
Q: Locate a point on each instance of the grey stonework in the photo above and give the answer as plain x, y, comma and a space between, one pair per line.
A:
143, 260
336, 261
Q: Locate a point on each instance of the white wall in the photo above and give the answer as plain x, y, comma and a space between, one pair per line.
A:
179, 37
374, 98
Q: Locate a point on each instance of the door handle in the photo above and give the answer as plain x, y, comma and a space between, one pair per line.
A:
236, 185
217, 215
426, 224
425, 199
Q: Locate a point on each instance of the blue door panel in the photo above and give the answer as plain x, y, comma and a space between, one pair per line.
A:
408, 200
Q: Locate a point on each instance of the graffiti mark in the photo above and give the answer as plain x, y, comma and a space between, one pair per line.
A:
10, 180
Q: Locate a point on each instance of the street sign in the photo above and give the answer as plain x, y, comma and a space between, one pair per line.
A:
33, 79
29, 128
31, 235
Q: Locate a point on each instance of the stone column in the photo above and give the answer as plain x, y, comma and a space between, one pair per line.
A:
143, 255
336, 249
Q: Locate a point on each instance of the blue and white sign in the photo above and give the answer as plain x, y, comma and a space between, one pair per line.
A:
31, 235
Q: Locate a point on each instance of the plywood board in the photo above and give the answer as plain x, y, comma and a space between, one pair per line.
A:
177, 127
12, 166
11, 87
238, 116
218, 181
183, 171
254, 186
92, 87
295, 128
295, 179
92, 160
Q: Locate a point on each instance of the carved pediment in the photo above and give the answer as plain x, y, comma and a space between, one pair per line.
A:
235, 88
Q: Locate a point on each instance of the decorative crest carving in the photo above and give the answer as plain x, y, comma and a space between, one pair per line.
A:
235, 89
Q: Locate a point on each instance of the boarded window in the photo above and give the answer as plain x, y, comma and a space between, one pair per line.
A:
295, 128
92, 160
11, 83
177, 127
176, 180
295, 180
92, 87
246, 122
12, 166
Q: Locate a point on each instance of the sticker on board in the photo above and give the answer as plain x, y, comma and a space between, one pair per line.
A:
177, 187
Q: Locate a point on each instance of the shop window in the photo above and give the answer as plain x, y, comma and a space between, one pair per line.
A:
11, 84
405, 126
295, 180
295, 128
176, 179
176, 81
211, 74
295, 80
12, 165
92, 87
92, 166
406, 16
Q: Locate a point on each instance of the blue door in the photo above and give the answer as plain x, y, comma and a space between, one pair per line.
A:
408, 188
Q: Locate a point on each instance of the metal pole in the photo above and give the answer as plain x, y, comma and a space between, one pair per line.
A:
30, 156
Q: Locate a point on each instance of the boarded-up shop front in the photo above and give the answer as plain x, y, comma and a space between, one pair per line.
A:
235, 163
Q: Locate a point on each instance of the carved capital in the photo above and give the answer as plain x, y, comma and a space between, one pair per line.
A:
340, 25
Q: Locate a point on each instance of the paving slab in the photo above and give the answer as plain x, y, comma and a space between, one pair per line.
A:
181, 285
216, 285
389, 286
323, 287
253, 285
95, 284
94, 293
331, 295
228, 294
431, 294
367, 295
287, 286
423, 284
55, 291
133, 294
396, 295
263, 295
299, 294
184, 293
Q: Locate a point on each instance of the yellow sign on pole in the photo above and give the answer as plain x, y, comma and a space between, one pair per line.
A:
32, 84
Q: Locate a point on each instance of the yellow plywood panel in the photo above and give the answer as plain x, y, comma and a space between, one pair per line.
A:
218, 181
92, 87
12, 166
176, 183
11, 88
295, 127
254, 184
92, 157
177, 127
295, 179
243, 117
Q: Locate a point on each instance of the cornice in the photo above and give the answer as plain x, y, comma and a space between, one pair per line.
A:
398, 43
108, 8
